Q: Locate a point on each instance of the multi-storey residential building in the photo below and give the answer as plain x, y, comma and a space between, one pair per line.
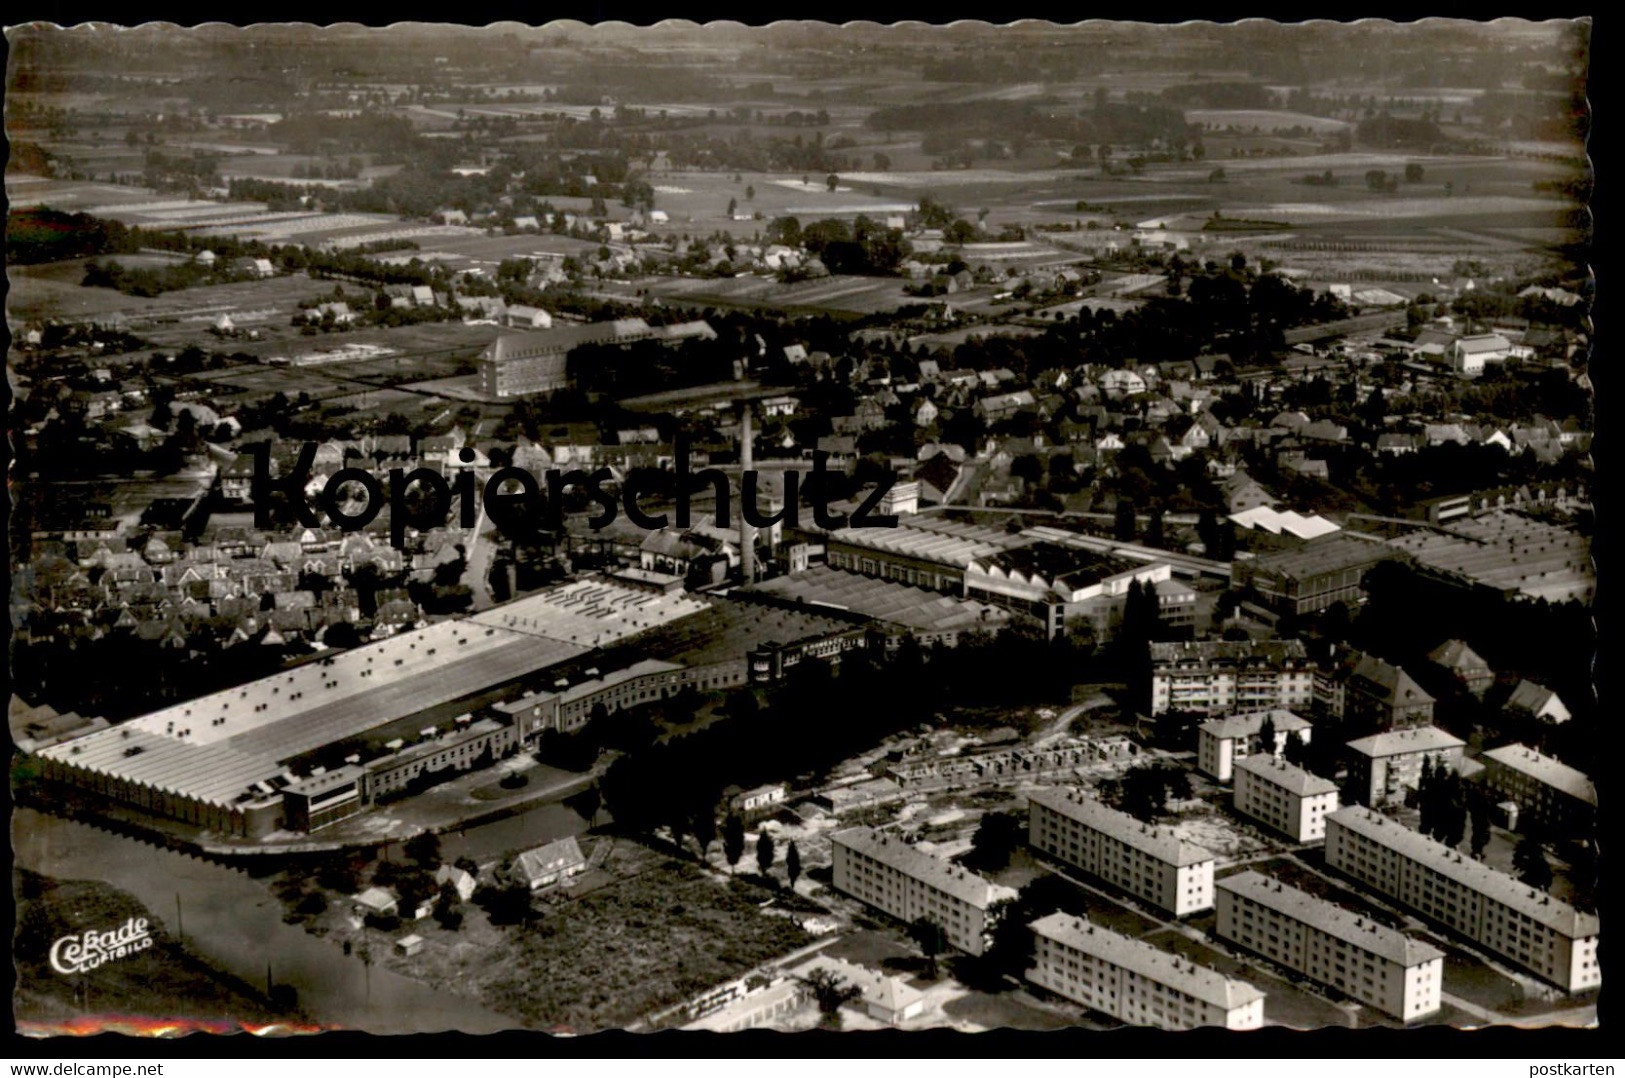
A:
1372, 963
1465, 665
1384, 696
1148, 862
1557, 796
1369, 693
1542, 934
1285, 797
1383, 767
908, 884
1221, 742
1226, 677
1136, 982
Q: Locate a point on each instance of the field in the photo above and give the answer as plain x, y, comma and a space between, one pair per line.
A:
176, 318
416, 355
852, 295
1262, 120
659, 933
698, 201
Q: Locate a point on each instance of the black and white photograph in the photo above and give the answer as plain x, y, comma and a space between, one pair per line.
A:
815, 526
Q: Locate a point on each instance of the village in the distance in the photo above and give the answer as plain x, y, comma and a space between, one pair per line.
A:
1227, 663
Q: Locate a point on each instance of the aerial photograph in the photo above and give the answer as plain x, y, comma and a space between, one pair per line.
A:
801, 527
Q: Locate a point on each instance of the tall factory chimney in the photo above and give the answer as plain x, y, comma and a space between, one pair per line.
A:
747, 538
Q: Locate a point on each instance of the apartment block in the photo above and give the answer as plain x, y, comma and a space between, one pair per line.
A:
1135, 982
1555, 795
1370, 962
1150, 863
1284, 796
1528, 927
1383, 768
1221, 742
1228, 677
907, 883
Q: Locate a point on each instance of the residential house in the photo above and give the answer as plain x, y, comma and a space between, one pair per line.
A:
549, 865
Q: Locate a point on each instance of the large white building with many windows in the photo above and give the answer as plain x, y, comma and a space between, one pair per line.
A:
1221, 742
1131, 980
1229, 677
1284, 796
1339, 948
908, 884
1542, 934
1148, 862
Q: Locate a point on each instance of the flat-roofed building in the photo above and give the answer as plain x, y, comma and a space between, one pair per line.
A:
1326, 570
1222, 742
1135, 982
1284, 796
1558, 797
929, 617
1148, 862
908, 884
1339, 948
1508, 553
1227, 677
1544, 935
312, 803
1384, 767
224, 761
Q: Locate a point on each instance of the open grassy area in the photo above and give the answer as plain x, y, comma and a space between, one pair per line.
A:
662, 932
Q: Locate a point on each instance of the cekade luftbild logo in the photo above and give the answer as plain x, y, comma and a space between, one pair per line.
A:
80, 954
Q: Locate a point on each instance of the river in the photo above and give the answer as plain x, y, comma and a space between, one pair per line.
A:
234, 922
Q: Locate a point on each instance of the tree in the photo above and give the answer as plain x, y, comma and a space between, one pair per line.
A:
1154, 529
832, 181
931, 940
1529, 861
831, 992
764, 852
424, 848
733, 204
1125, 526
733, 839
704, 826
1479, 809
750, 193
1296, 751
997, 837
792, 864
1266, 735
1414, 173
